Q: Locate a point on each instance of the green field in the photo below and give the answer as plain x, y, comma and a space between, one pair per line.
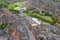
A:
46, 18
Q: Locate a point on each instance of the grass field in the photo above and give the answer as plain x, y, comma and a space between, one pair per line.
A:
48, 18
45, 18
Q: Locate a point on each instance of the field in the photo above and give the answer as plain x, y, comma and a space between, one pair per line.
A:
45, 18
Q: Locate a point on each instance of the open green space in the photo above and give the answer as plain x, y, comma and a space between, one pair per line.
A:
43, 16
15, 7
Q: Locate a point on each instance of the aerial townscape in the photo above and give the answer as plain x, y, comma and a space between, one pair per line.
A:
29, 19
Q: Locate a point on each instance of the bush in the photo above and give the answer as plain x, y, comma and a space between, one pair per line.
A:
3, 25
3, 3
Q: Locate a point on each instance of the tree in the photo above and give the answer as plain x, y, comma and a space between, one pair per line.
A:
3, 25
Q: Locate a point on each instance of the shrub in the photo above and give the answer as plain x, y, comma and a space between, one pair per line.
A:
3, 25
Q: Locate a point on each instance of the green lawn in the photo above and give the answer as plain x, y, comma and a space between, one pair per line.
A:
15, 7
46, 18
